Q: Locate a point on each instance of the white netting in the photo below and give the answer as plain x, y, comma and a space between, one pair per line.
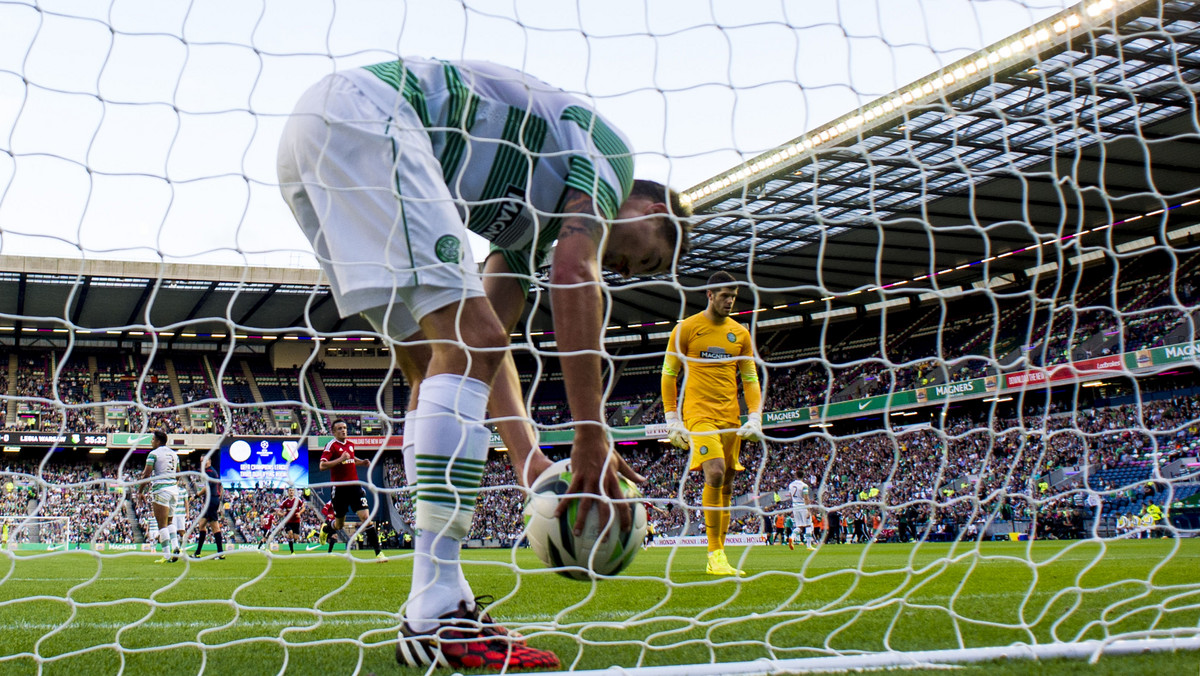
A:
51, 532
1001, 442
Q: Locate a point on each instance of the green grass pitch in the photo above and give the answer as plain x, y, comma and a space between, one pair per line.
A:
83, 613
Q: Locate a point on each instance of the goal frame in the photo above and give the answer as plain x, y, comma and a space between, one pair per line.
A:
9, 525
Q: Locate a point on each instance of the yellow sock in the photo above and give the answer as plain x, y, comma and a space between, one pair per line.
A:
726, 502
710, 500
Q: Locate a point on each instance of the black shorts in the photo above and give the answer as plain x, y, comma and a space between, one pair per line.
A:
292, 527
348, 498
212, 511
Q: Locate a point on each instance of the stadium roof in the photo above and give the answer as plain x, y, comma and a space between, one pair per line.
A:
44, 295
1078, 132
1084, 121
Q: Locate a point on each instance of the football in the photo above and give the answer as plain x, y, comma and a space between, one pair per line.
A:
587, 555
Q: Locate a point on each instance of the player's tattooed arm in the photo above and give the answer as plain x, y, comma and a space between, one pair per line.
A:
580, 218
578, 306
577, 253
575, 295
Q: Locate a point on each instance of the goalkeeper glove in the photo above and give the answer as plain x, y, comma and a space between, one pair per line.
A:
677, 434
752, 429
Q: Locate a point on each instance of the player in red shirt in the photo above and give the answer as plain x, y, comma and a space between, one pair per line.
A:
268, 525
290, 509
328, 532
338, 458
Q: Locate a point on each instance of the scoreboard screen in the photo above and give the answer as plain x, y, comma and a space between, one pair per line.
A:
276, 463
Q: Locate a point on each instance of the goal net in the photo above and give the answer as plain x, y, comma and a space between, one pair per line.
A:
964, 236
42, 532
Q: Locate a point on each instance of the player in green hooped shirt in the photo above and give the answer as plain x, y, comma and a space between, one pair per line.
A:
161, 476
386, 168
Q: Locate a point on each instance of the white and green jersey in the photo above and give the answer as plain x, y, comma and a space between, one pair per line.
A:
164, 468
799, 493
509, 147
179, 515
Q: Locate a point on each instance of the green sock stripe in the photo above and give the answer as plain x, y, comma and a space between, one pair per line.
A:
448, 493
442, 461
446, 498
453, 482
457, 472
439, 481
454, 475
470, 492
440, 473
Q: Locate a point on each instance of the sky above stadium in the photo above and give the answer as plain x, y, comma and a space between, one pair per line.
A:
147, 129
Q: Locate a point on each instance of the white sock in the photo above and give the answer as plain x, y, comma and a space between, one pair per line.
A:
451, 444
464, 588
435, 588
410, 448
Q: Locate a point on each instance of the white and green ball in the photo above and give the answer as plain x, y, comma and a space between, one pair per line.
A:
587, 555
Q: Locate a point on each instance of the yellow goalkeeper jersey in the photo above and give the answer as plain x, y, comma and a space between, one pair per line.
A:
710, 356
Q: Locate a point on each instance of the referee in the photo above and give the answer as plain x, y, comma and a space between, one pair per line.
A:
211, 514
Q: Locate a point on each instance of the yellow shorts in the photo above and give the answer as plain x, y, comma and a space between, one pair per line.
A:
707, 438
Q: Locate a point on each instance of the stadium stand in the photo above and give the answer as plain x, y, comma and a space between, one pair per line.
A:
944, 475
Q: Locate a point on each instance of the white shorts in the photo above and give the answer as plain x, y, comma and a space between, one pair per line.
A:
367, 190
801, 518
167, 496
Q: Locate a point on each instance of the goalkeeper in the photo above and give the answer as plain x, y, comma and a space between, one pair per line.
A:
713, 350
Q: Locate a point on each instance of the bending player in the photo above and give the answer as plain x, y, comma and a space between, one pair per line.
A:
162, 470
802, 521
328, 532
713, 350
338, 458
651, 528
550, 180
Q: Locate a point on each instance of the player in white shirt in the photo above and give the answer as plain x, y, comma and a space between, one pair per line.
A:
162, 470
798, 491
179, 515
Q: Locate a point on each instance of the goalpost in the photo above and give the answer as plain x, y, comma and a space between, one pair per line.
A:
50, 533
965, 238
